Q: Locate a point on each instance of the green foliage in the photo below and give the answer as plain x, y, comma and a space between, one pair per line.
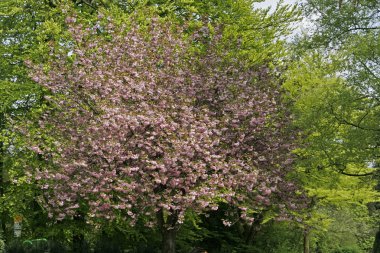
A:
332, 81
333, 84
353, 249
336, 156
191, 233
281, 237
2, 244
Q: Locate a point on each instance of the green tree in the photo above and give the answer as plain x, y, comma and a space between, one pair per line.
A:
347, 34
336, 158
30, 28
27, 31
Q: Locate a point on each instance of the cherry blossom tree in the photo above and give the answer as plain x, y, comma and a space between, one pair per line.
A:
140, 125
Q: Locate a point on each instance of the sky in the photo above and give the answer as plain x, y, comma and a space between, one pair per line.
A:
300, 27
272, 3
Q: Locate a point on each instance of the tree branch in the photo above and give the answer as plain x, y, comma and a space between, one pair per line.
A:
357, 175
368, 69
342, 167
362, 28
346, 122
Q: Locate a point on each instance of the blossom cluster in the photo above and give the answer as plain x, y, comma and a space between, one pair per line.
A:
141, 123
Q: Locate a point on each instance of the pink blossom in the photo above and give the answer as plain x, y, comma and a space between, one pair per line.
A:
138, 137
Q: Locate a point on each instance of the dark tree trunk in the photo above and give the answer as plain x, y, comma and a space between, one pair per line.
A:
252, 230
376, 244
79, 243
168, 241
2, 173
169, 230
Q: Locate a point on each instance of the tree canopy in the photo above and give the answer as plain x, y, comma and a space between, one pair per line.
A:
189, 125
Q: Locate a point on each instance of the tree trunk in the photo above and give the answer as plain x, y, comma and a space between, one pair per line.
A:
2, 173
376, 244
306, 245
168, 241
169, 230
253, 229
79, 243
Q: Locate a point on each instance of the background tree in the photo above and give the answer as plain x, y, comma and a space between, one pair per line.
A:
334, 84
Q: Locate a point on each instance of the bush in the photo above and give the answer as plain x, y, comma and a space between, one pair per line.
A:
15, 247
107, 244
347, 249
56, 247
36, 246
29, 246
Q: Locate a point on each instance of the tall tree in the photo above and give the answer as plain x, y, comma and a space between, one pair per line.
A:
336, 91
29, 29
141, 126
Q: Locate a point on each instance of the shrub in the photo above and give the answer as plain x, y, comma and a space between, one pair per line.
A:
348, 249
